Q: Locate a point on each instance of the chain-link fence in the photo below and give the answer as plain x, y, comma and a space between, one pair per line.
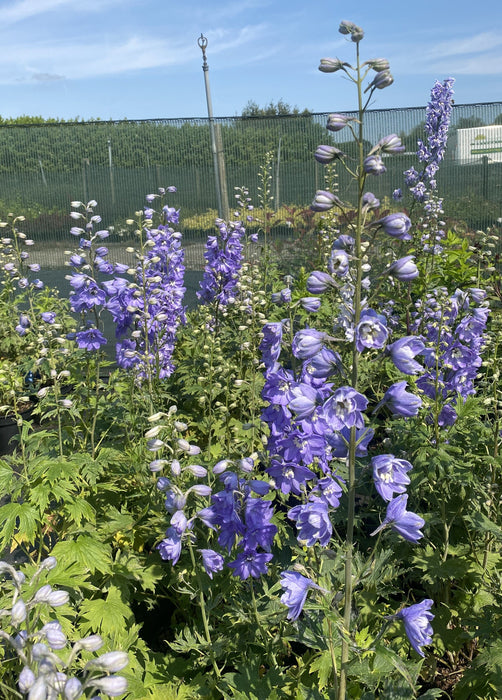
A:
45, 167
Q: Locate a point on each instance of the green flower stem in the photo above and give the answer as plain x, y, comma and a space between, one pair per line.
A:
351, 482
205, 621
271, 656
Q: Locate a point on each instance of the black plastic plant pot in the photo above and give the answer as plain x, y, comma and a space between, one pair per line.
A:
9, 429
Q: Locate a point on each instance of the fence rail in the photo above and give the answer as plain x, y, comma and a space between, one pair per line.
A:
44, 167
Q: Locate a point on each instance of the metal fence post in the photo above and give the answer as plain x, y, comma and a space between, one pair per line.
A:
216, 144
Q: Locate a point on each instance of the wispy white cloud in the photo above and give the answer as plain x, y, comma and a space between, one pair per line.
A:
479, 43
22, 10
487, 64
480, 54
52, 60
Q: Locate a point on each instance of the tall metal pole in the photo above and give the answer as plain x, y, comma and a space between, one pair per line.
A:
219, 167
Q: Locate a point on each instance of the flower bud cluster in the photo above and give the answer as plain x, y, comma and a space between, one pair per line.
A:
43, 671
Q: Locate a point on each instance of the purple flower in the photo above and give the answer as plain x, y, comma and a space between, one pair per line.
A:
344, 408
324, 363
307, 343
396, 225
390, 144
170, 547
417, 624
327, 154
212, 561
270, 345
403, 352
405, 523
310, 304
339, 442
48, 316
289, 477
403, 269
296, 588
338, 263
324, 201
329, 490
91, 339
381, 80
370, 201
371, 331
318, 282
250, 564
223, 263
373, 165
335, 121
390, 475
399, 401
313, 523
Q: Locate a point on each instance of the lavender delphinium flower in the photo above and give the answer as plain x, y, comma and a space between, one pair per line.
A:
223, 257
399, 401
390, 475
91, 339
374, 165
344, 408
308, 343
403, 269
405, 523
371, 331
296, 588
403, 352
396, 225
417, 624
312, 522
212, 561
151, 306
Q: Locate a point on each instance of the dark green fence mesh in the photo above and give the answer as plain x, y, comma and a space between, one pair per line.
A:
44, 167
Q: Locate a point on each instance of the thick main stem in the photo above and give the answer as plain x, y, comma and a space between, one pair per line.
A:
351, 484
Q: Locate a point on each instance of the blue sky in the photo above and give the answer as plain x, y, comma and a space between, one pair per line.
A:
135, 59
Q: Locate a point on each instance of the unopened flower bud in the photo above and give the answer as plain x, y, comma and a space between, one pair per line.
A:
110, 685
91, 643
324, 201
58, 598
18, 612
378, 64
112, 661
381, 80
356, 33
72, 689
26, 679
327, 154
336, 122
331, 65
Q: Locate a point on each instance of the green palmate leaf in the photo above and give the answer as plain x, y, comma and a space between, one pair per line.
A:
85, 550
482, 525
431, 694
80, 510
20, 520
8, 478
255, 681
323, 665
108, 615
171, 691
387, 656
